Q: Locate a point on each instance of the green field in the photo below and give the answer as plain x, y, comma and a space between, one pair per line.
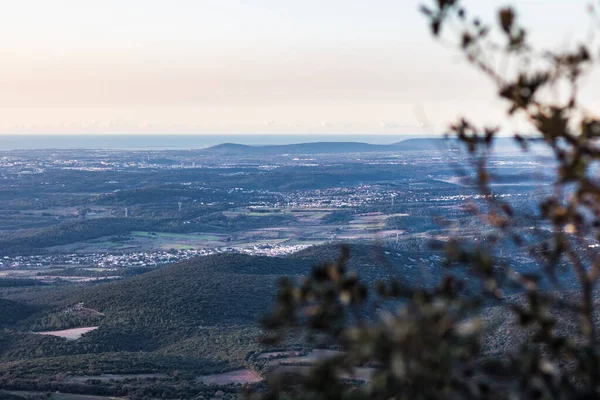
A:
189, 236
261, 214
109, 244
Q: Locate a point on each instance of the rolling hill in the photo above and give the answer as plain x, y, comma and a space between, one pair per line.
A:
160, 308
196, 317
199, 315
224, 289
221, 289
203, 311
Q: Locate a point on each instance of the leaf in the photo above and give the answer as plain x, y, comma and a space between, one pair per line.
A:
426, 11
436, 25
507, 19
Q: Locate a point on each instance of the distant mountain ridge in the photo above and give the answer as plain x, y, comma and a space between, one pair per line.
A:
418, 144
300, 148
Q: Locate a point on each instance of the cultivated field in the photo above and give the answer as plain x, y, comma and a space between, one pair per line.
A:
69, 334
242, 376
306, 227
114, 377
65, 396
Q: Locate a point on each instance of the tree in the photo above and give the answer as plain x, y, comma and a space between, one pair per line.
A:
428, 343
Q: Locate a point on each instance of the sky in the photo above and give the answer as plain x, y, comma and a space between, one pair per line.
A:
249, 66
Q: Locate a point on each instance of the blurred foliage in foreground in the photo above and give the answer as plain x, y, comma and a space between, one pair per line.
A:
426, 343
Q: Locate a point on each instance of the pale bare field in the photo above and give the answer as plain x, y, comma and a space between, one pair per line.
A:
274, 354
312, 357
242, 376
69, 334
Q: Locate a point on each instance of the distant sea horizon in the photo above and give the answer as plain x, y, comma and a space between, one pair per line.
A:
175, 141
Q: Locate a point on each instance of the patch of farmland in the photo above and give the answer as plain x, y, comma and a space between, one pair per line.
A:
360, 373
79, 279
23, 273
310, 218
241, 376
261, 234
262, 214
69, 334
374, 218
311, 358
63, 396
114, 377
352, 235
455, 180
275, 354
286, 364
192, 236
308, 243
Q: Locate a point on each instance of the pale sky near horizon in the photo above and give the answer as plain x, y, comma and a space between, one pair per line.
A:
260, 66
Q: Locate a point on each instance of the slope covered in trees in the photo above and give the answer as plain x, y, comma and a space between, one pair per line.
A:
227, 288
201, 297
178, 306
12, 311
